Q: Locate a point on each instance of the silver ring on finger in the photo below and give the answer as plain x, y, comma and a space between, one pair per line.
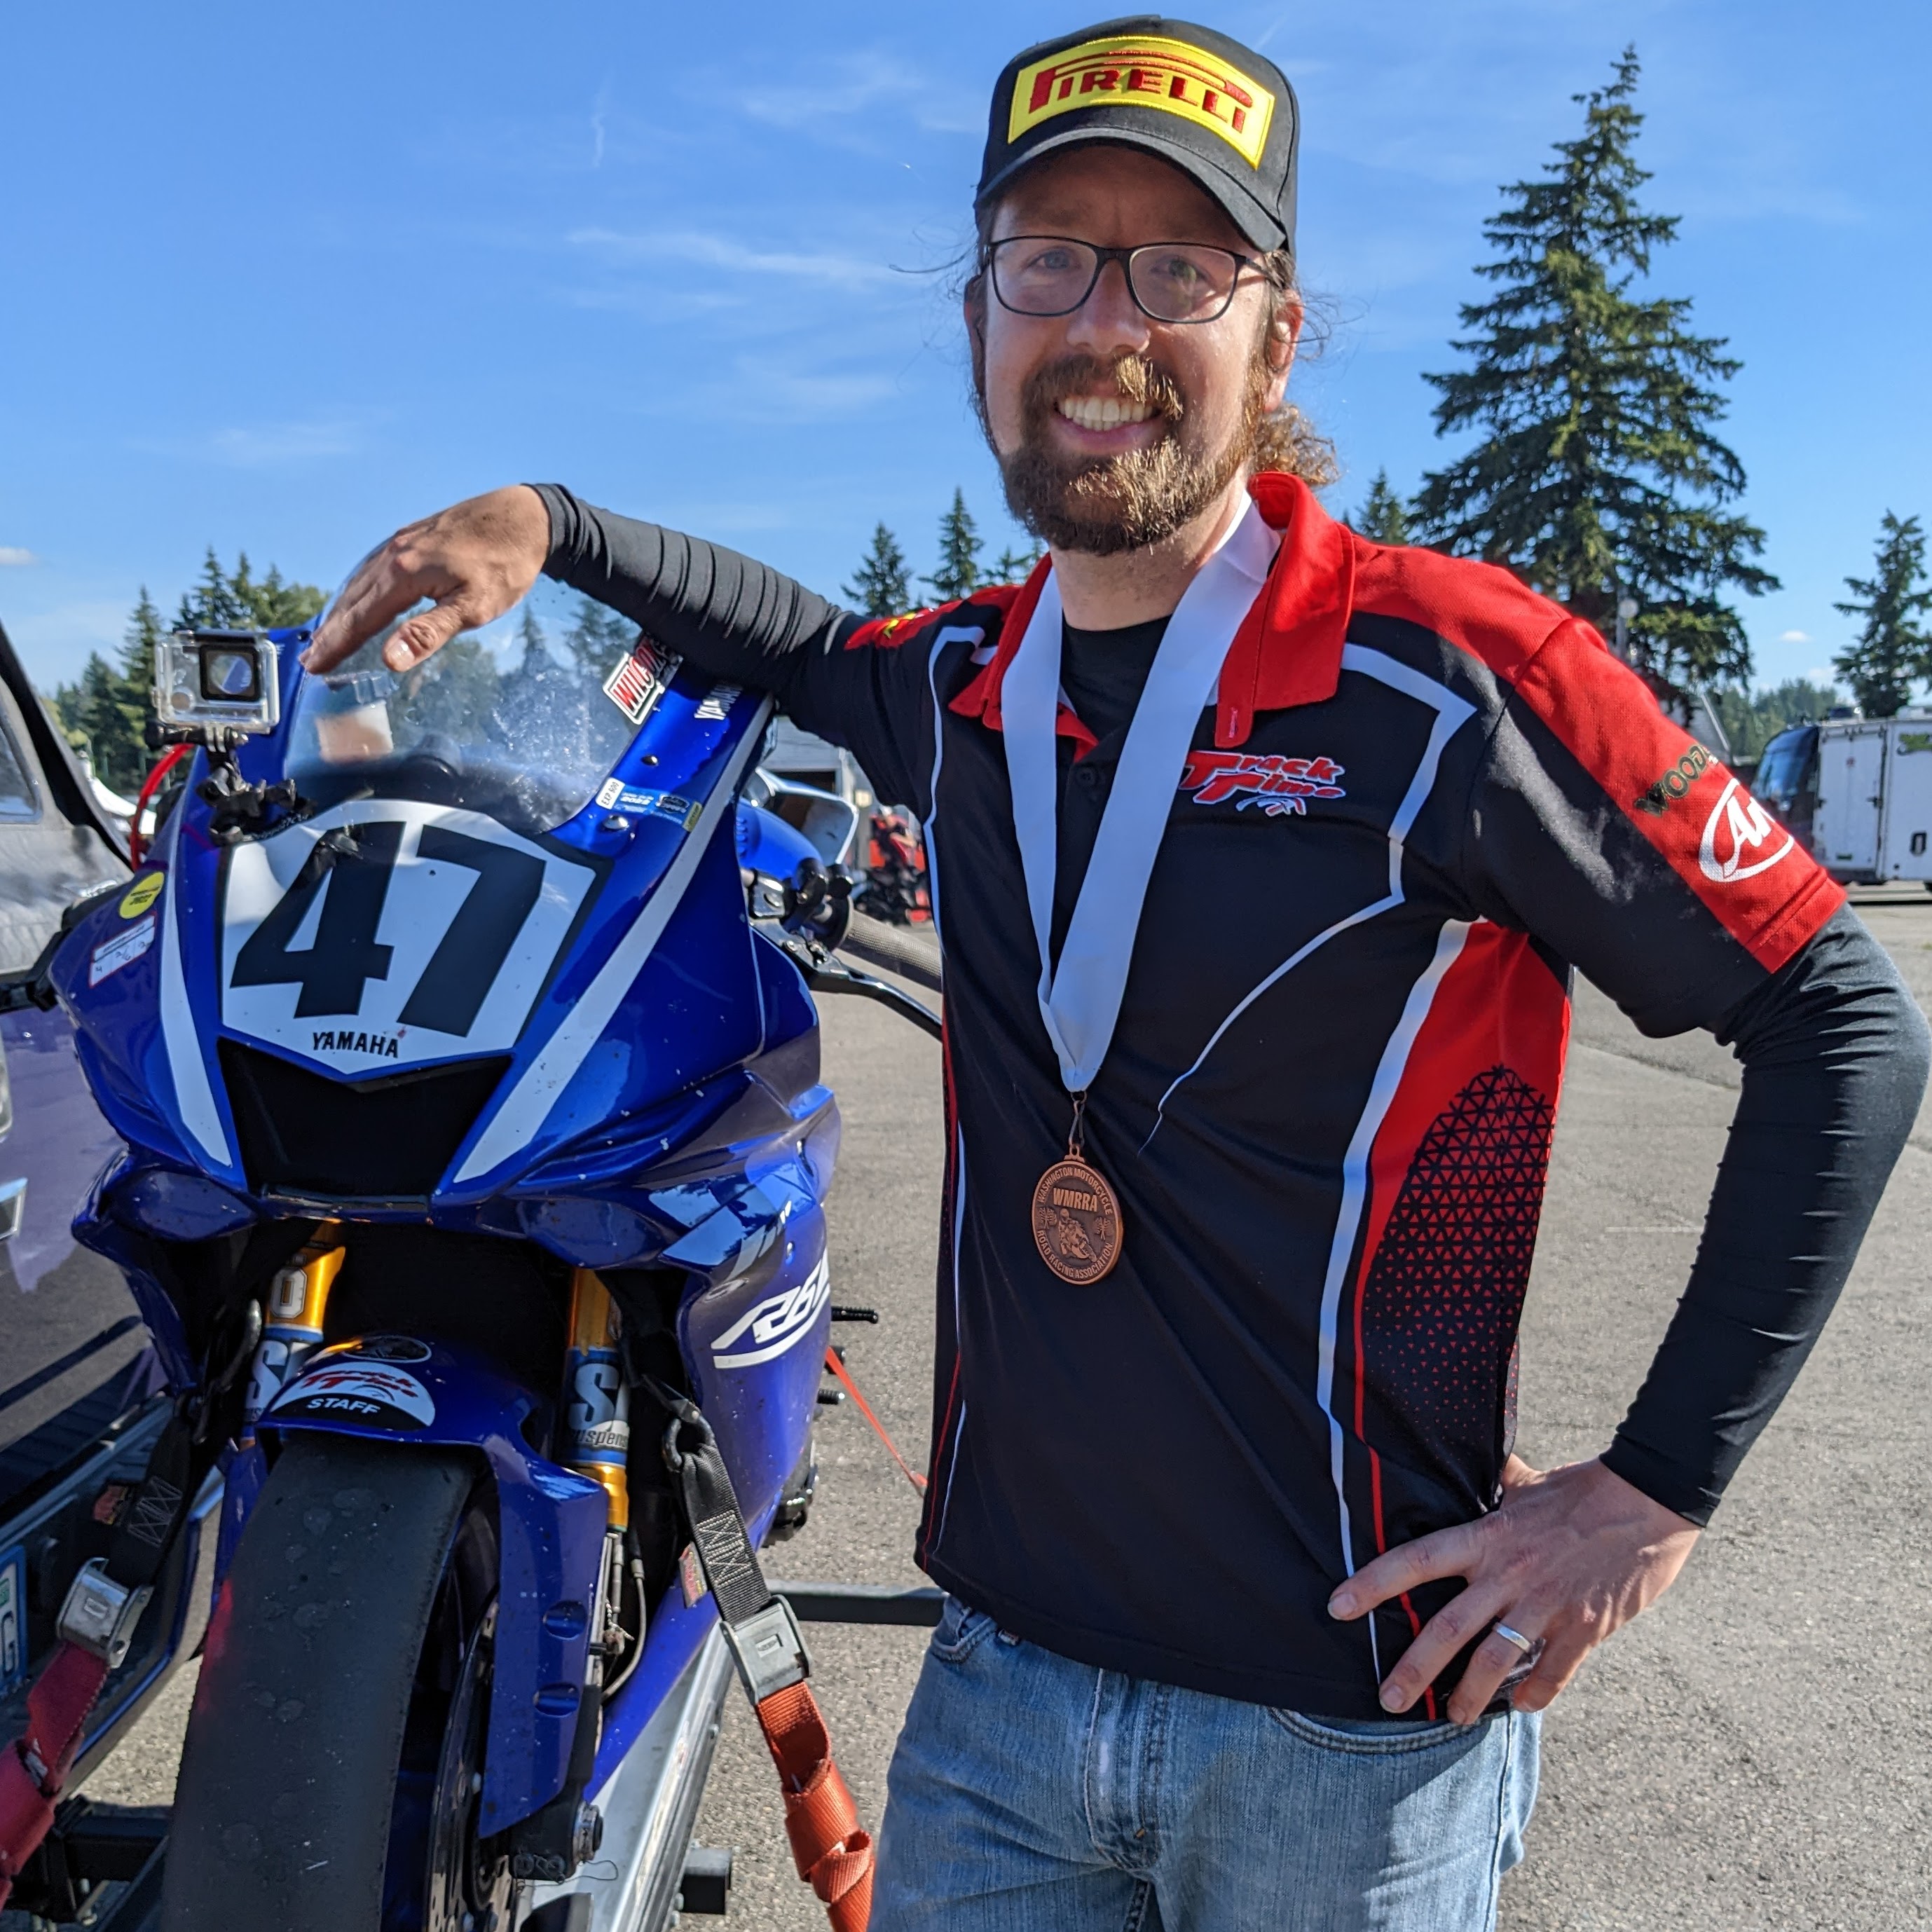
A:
1502, 1630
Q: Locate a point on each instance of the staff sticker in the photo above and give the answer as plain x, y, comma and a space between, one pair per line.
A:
352, 1391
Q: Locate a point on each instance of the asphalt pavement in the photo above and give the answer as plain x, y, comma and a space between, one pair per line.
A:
1749, 1754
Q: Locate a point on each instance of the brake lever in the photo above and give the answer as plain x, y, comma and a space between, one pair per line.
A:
824, 974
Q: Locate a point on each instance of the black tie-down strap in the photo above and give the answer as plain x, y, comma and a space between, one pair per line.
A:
833, 1855
764, 1634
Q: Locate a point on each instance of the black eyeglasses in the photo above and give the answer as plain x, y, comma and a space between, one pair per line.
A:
1170, 281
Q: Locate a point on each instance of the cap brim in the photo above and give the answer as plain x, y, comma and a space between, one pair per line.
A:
1247, 211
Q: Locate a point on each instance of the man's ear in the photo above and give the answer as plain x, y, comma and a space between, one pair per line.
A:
1284, 335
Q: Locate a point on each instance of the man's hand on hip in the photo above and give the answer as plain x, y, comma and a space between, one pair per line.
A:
1572, 1555
474, 561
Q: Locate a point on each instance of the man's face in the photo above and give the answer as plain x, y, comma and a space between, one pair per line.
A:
1113, 430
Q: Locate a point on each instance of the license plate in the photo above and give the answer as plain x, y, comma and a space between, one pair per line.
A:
12, 1617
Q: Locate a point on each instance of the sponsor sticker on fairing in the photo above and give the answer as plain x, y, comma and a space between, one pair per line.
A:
123, 949
778, 1323
640, 679
349, 1389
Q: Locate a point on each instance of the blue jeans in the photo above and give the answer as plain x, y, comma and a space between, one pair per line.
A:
1029, 1793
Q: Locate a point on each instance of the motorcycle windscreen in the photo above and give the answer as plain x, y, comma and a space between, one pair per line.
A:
515, 722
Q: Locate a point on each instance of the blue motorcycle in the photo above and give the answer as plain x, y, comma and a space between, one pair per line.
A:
476, 1154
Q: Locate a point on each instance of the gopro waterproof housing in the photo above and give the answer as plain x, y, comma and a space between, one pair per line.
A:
224, 679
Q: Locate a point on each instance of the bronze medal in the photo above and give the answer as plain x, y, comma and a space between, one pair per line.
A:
1076, 1221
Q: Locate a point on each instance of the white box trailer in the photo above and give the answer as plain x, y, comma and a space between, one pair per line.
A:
1873, 820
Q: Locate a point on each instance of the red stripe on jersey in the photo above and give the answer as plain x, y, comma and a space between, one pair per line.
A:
1765, 890
1498, 1006
889, 633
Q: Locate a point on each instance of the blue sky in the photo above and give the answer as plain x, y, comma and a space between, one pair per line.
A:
280, 277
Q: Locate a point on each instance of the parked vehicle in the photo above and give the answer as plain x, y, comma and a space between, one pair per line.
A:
475, 1154
1857, 792
81, 1400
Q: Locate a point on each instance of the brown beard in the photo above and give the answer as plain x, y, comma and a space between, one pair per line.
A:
1105, 504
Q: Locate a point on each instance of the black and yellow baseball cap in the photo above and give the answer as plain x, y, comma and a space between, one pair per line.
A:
1220, 112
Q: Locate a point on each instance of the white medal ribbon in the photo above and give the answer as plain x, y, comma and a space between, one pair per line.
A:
1080, 1002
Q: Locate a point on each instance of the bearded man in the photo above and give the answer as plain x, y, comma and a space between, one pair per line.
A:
1260, 856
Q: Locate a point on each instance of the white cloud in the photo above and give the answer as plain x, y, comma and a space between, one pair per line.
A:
847, 100
847, 272
1794, 637
14, 554
268, 445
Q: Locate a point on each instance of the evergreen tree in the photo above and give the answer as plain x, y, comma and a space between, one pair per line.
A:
1894, 647
959, 547
1752, 718
1384, 517
597, 638
1599, 474
106, 713
214, 603
882, 585
1013, 566
144, 633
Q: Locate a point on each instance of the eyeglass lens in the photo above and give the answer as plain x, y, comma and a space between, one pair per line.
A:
1173, 281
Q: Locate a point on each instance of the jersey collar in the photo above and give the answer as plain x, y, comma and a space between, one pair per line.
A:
1288, 649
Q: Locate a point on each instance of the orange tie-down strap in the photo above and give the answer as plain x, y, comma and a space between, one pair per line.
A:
833, 1855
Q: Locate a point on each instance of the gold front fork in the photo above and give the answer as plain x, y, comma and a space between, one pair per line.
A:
293, 1310
597, 1442
596, 1404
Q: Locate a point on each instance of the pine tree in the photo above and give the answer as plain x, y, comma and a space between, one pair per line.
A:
1893, 648
597, 638
882, 585
214, 603
106, 714
1013, 566
959, 547
1384, 517
1599, 476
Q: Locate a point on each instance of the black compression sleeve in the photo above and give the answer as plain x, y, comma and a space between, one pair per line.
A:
1835, 1054
729, 615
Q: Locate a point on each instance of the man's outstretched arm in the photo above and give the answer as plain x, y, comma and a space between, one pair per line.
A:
477, 559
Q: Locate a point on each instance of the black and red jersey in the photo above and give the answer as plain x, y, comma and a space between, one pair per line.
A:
1422, 796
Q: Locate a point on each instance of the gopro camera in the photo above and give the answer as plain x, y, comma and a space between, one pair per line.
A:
223, 678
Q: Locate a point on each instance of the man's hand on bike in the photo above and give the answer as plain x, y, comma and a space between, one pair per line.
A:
1572, 1555
474, 561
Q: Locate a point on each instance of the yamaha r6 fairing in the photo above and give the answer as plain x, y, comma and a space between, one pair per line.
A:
472, 1125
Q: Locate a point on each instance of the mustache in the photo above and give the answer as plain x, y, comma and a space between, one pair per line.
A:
1134, 378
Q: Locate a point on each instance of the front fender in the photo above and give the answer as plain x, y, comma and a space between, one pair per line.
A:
395, 1388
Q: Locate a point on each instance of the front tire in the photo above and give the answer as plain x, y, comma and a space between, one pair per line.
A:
338, 1723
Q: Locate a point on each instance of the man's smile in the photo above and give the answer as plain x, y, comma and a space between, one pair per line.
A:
1104, 413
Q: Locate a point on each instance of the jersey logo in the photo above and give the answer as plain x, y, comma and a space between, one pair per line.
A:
1275, 783
1735, 835
1675, 783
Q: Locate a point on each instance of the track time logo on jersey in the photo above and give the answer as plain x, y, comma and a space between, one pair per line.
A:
1278, 785
386, 933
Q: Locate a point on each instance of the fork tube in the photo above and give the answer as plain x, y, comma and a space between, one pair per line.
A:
596, 1404
297, 1299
